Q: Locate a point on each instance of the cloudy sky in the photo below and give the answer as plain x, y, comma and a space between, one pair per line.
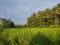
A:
19, 10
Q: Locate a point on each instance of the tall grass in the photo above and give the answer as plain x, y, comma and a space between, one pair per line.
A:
30, 36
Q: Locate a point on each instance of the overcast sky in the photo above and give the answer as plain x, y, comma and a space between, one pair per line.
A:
19, 10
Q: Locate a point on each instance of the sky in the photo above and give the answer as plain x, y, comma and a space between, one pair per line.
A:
19, 10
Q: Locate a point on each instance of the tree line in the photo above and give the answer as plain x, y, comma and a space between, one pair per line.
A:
6, 23
45, 18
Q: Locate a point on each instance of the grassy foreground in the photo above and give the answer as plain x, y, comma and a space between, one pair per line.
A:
30, 36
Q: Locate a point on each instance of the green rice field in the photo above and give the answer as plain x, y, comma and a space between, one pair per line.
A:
30, 36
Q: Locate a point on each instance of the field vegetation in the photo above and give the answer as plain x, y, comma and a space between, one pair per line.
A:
30, 36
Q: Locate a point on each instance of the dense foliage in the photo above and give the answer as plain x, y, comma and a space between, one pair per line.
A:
6, 23
48, 17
